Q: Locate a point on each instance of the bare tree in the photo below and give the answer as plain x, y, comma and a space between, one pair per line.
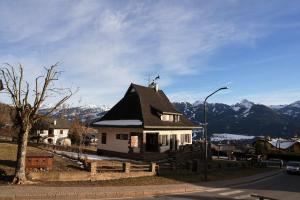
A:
26, 112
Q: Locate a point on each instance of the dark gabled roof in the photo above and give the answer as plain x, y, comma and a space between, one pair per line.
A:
145, 104
48, 123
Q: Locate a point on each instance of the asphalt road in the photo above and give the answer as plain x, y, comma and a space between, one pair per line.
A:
281, 187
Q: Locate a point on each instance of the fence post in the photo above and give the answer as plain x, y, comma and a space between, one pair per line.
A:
198, 165
173, 165
126, 167
190, 165
153, 167
93, 168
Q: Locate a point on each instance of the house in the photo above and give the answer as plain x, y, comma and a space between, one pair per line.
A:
144, 120
53, 131
284, 144
277, 145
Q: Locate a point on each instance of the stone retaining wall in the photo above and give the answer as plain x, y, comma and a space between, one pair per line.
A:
84, 176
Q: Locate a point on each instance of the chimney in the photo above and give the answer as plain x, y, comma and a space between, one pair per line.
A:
154, 83
156, 87
54, 122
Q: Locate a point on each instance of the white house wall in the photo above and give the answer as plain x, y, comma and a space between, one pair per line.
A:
57, 134
117, 145
178, 134
112, 143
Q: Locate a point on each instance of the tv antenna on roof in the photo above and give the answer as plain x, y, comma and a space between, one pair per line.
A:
153, 82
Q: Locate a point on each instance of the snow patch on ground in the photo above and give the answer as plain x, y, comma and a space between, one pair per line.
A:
75, 156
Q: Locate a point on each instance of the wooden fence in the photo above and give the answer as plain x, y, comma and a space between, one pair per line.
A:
197, 165
117, 166
74, 149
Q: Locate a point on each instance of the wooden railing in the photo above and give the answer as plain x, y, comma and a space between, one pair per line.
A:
116, 166
140, 167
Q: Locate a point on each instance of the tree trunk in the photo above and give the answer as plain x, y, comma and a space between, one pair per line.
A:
20, 175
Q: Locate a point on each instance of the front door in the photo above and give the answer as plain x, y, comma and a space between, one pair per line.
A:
173, 142
152, 142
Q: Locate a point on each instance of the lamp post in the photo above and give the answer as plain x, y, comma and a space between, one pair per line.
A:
1, 85
205, 130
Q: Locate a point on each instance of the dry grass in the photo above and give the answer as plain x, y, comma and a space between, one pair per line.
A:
8, 158
165, 179
8, 152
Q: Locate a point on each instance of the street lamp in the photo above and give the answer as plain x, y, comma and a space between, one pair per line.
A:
205, 129
1, 85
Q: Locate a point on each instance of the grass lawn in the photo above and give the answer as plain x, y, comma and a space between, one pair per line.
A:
8, 154
8, 159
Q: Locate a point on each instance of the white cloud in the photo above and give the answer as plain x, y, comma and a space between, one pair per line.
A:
104, 45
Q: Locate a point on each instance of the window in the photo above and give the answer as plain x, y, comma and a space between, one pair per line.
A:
61, 132
176, 118
170, 118
122, 136
163, 140
103, 138
185, 138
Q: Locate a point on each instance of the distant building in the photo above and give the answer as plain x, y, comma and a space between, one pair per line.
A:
52, 131
283, 144
144, 120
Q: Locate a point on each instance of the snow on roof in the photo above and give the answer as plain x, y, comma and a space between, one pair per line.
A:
282, 144
132, 122
227, 136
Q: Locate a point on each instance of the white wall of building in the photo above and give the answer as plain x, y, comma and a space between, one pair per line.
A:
117, 145
113, 144
60, 133
178, 134
57, 133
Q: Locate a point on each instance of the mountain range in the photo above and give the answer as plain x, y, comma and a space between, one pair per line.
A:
246, 118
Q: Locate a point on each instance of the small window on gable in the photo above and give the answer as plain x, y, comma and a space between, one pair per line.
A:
132, 90
170, 118
176, 118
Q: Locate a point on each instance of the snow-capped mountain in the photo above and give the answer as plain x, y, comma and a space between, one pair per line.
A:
85, 113
246, 117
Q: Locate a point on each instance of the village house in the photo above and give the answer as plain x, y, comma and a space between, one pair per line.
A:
144, 120
53, 131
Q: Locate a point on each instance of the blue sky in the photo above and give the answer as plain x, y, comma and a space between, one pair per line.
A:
196, 47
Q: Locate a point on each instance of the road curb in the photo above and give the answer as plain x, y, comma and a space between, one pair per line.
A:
102, 194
